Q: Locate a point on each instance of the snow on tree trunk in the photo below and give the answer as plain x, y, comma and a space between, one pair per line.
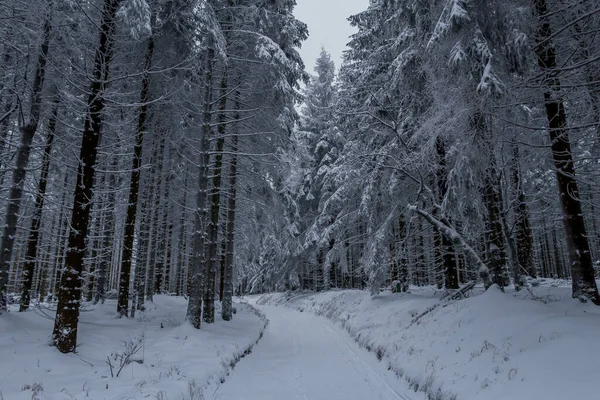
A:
34, 232
140, 259
226, 313
7, 100
129, 235
166, 281
93, 245
18, 179
494, 235
523, 234
67, 315
447, 249
181, 276
582, 270
156, 220
145, 248
194, 311
105, 260
60, 242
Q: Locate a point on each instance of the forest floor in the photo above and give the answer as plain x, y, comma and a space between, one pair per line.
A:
516, 345
344, 344
173, 360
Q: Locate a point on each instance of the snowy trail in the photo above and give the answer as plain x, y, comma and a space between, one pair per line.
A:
304, 357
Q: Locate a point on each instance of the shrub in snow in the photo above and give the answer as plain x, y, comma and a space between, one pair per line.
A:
195, 391
36, 388
120, 360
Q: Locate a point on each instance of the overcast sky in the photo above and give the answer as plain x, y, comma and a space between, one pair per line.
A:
327, 26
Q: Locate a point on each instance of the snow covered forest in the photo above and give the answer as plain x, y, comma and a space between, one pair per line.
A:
180, 147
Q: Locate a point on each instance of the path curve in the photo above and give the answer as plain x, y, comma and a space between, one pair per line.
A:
305, 357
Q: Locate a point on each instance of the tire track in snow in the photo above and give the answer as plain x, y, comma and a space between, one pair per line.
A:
298, 376
335, 332
301, 357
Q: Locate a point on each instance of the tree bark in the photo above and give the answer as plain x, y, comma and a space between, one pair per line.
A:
60, 245
447, 249
8, 102
194, 311
34, 232
523, 225
5, 120
492, 198
145, 229
215, 197
156, 219
582, 270
93, 244
227, 306
181, 245
18, 180
129, 235
67, 315
108, 233
223, 259
140, 265
166, 286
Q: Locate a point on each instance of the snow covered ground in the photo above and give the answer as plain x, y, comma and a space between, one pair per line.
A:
490, 346
174, 361
306, 357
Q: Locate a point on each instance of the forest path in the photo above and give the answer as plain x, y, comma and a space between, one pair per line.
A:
303, 356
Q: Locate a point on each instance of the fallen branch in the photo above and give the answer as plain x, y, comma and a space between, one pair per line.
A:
444, 301
458, 241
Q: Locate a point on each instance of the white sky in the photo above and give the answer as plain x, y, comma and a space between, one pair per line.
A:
327, 26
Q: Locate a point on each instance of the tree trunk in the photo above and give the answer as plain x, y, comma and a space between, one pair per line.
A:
34, 232
447, 249
145, 229
129, 235
60, 245
156, 218
227, 306
215, 197
194, 311
5, 120
181, 245
582, 270
166, 287
163, 242
93, 245
140, 261
9, 103
523, 225
67, 315
492, 198
27, 133
223, 260
108, 232
43, 286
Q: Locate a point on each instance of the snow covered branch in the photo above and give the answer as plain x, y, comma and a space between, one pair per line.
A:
457, 240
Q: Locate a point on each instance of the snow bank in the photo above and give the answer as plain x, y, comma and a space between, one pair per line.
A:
493, 346
174, 360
